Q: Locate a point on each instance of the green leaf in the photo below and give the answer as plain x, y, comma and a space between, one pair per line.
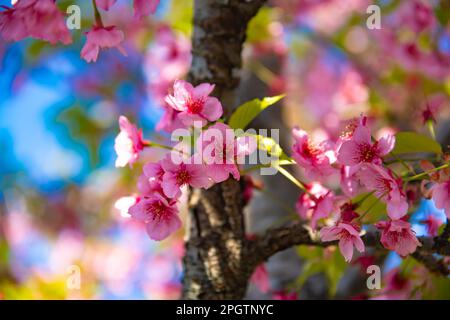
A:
313, 262
250, 110
258, 27
308, 252
335, 270
270, 145
331, 264
181, 16
411, 142
310, 268
377, 210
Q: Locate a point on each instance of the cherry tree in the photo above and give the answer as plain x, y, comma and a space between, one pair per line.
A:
357, 186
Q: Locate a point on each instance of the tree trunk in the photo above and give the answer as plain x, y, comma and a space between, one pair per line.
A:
215, 265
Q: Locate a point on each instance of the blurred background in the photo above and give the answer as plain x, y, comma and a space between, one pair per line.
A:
58, 121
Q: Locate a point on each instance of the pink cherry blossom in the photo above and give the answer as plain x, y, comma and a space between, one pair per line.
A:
159, 214
360, 148
101, 38
105, 4
348, 213
148, 186
177, 175
397, 235
441, 196
32, 18
154, 170
169, 120
387, 188
432, 224
348, 236
416, 15
315, 158
222, 151
167, 59
260, 278
433, 107
128, 143
143, 8
318, 204
349, 180
194, 103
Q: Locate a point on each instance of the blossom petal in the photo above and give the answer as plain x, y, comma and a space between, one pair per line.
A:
346, 248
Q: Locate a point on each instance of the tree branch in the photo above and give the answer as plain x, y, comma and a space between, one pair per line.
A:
279, 239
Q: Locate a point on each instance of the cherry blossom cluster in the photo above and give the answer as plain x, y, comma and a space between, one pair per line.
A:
358, 159
160, 186
44, 20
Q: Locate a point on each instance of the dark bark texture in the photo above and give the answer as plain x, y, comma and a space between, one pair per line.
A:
215, 260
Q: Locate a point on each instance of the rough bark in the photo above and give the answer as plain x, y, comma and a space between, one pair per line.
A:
216, 245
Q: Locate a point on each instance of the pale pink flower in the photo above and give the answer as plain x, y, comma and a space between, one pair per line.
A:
101, 38
318, 205
441, 196
349, 180
387, 188
360, 148
260, 278
432, 224
222, 151
167, 59
128, 143
351, 90
169, 120
159, 214
315, 158
32, 18
348, 236
183, 174
194, 103
105, 4
148, 186
124, 204
397, 235
143, 8
154, 170
151, 181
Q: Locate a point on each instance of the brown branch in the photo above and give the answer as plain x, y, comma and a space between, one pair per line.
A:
432, 263
441, 243
279, 239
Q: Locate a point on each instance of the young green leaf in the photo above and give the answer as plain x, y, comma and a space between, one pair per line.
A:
411, 142
250, 110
